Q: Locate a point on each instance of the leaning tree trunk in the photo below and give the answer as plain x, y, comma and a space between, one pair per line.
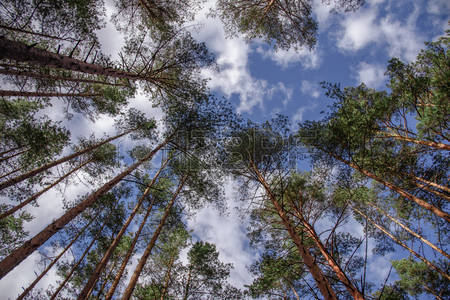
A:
356, 294
13, 155
22, 52
122, 268
60, 78
133, 280
435, 145
101, 265
433, 184
438, 212
33, 284
413, 233
321, 281
45, 167
38, 194
46, 94
72, 270
21, 253
399, 242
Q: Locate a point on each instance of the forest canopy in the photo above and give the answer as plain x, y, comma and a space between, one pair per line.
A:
376, 159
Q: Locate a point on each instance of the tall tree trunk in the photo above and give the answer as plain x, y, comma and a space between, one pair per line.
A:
9, 150
411, 231
133, 280
47, 166
13, 155
430, 190
60, 78
46, 94
356, 294
21, 253
72, 270
188, 283
12, 172
99, 268
435, 145
32, 285
122, 268
22, 52
35, 33
433, 184
396, 240
321, 281
395, 188
38, 194
105, 282
167, 277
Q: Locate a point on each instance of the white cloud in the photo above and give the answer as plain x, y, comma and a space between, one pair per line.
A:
438, 7
310, 89
358, 30
370, 74
364, 27
228, 233
308, 59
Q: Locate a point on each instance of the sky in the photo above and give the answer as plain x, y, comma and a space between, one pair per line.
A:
260, 83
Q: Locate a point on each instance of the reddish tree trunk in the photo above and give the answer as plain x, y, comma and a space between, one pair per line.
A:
101, 265
45, 167
45, 94
129, 289
21, 253
38, 194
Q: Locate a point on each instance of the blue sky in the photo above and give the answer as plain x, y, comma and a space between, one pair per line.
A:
352, 48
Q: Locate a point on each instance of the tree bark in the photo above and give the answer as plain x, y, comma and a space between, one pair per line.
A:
52, 77
72, 270
411, 231
16, 257
45, 94
167, 278
433, 184
12, 172
32, 285
133, 280
38, 194
47, 166
356, 294
428, 189
396, 240
438, 212
186, 290
13, 155
116, 281
435, 145
22, 52
35, 33
321, 281
99, 268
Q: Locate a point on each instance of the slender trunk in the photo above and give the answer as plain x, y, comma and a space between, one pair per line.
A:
45, 94
45, 167
12, 172
439, 146
22, 52
295, 292
428, 189
108, 276
21, 253
60, 78
438, 212
186, 290
433, 184
167, 278
122, 268
133, 280
13, 155
99, 268
35, 33
268, 6
72, 270
396, 240
32, 285
38, 194
410, 231
429, 290
321, 281
356, 294
10, 150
